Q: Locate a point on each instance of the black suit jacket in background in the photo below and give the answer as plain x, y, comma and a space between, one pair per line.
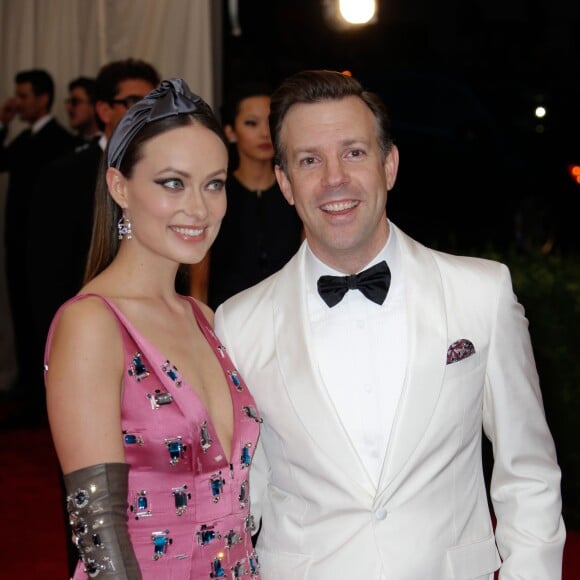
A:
60, 230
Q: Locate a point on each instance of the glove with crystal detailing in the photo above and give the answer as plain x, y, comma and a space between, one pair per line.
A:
97, 508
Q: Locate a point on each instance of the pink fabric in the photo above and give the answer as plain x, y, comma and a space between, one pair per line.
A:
210, 537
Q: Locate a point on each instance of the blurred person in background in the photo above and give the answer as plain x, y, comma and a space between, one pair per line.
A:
80, 108
23, 158
260, 231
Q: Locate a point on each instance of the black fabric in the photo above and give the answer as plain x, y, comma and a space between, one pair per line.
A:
24, 159
373, 282
258, 235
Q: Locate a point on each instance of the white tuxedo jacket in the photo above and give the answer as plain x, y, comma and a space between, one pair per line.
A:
322, 517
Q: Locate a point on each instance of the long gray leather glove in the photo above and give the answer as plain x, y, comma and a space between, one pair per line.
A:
97, 508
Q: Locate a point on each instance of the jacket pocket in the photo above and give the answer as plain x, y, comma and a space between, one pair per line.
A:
472, 561
283, 565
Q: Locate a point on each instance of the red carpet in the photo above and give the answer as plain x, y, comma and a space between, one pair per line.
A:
32, 519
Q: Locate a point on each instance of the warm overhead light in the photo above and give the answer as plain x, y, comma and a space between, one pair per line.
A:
343, 14
357, 11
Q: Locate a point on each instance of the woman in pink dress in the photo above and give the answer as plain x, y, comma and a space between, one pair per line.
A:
154, 428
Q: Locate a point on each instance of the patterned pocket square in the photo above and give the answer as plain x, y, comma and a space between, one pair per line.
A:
459, 350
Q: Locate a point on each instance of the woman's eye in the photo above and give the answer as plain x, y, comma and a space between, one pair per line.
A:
216, 185
250, 123
172, 183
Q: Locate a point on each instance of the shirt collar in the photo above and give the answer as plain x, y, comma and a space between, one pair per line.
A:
36, 127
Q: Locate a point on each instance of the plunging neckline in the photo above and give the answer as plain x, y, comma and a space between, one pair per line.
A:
179, 391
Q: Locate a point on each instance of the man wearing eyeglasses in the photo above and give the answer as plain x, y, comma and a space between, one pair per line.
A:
80, 108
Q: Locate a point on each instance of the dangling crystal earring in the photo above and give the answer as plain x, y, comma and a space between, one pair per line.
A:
124, 227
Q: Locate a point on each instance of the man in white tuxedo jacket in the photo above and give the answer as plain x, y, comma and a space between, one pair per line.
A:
375, 363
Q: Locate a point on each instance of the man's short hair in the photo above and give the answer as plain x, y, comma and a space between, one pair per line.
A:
113, 73
41, 82
85, 83
315, 86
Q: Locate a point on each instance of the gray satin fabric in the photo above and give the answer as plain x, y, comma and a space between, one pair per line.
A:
172, 97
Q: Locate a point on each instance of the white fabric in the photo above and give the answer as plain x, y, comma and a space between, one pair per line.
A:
365, 388
40, 124
322, 515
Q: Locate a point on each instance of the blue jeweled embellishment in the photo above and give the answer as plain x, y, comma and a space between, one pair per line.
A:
254, 563
232, 538
249, 523
235, 379
140, 505
206, 534
252, 413
217, 570
171, 371
204, 437
176, 449
216, 482
160, 542
243, 497
80, 498
137, 368
181, 496
132, 438
238, 570
159, 398
246, 458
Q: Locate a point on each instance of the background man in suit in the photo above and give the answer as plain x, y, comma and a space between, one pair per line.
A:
375, 363
23, 158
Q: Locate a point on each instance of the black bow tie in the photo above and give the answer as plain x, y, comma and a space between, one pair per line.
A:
373, 283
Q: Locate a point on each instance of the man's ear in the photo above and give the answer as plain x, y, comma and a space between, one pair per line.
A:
230, 133
391, 166
284, 184
103, 111
117, 184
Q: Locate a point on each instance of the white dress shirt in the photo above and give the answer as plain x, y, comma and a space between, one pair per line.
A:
362, 349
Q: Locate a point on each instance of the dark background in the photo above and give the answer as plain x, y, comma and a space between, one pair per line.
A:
461, 81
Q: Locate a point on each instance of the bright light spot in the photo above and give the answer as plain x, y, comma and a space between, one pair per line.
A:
540, 112
346, 73
574, 171
357, 11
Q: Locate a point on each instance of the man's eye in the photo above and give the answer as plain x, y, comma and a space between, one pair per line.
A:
356, 153
307, 161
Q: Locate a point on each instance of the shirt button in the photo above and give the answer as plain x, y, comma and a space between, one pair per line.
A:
381, 514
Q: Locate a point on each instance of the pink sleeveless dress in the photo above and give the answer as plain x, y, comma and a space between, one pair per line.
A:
188, 507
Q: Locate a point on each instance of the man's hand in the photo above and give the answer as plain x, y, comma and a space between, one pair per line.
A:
8, 110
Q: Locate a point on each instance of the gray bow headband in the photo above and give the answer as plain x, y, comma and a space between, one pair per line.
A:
172, 97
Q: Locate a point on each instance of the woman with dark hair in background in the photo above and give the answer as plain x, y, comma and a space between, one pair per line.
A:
260, 231
153, 427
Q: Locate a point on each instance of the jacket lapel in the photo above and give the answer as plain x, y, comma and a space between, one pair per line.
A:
427, 348
301, 377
